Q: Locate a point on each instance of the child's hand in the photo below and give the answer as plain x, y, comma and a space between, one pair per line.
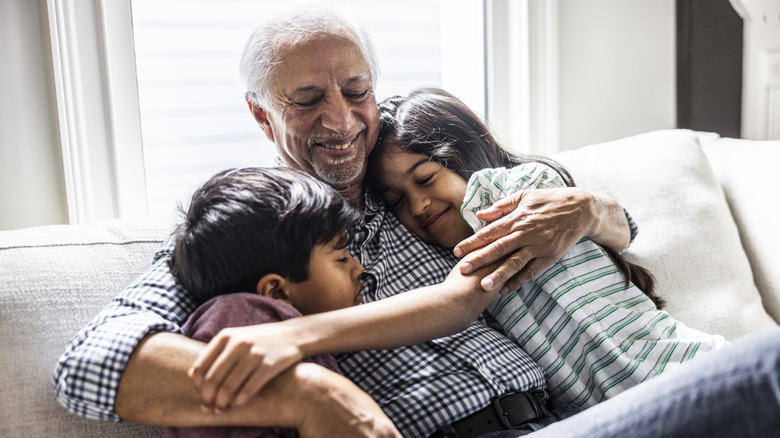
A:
239, 361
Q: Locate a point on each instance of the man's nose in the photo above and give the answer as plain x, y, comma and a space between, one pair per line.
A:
338, 115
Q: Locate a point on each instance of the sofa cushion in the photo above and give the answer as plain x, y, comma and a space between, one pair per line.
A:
687, 236
55, 279
746, 170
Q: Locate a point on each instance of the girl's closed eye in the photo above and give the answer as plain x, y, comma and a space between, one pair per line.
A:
426, 179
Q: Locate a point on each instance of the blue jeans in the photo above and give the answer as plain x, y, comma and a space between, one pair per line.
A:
734, 391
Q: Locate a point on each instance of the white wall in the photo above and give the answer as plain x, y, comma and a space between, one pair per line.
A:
617, 69
31, 177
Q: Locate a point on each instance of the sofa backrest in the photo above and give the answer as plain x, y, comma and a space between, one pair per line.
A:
53, 281
687, 235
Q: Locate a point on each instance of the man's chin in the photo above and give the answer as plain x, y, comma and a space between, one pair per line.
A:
340, 172
340, 177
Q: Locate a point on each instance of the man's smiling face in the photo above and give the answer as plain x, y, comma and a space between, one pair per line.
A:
325, 120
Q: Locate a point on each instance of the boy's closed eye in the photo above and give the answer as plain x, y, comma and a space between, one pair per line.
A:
394, 200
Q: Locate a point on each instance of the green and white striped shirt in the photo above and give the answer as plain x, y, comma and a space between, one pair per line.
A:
593, 336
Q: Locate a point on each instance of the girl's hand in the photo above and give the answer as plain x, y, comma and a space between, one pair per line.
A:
239, 361
531, 229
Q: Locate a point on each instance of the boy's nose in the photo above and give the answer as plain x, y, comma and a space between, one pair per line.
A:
358, 267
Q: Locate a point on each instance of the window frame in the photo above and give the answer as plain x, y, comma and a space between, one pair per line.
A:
94, 83
99, 125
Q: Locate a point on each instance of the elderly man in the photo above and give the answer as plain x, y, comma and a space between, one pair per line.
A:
310, 79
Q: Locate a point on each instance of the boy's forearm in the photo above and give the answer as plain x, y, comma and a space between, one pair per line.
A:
155, 389
409, 318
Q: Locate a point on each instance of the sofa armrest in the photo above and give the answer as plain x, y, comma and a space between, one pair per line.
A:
747, 170
54, 280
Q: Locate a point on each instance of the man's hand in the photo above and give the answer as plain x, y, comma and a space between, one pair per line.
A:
337, 407
239, 361
532, 229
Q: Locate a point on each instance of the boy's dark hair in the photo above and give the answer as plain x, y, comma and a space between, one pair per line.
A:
435, 123
245, 223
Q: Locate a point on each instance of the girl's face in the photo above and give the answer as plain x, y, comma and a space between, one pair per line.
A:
425, 196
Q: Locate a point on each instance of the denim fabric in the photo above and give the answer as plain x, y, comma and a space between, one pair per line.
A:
732, 392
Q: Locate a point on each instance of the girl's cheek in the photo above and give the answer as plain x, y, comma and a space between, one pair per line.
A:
406, 219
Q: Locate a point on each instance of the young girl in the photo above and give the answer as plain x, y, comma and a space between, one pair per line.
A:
585, 319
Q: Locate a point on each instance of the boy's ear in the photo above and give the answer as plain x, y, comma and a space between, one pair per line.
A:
261, 116
273, 286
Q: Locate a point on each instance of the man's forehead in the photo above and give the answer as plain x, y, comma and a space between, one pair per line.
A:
324, 55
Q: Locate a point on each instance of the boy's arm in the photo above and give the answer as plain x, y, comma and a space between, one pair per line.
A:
316, 401
130, 363
240, 361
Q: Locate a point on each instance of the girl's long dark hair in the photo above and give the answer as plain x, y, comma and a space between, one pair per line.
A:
434, 123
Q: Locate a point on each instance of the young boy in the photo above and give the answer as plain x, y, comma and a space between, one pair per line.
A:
260, 245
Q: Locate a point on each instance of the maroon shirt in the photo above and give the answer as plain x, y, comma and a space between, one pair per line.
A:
238, 310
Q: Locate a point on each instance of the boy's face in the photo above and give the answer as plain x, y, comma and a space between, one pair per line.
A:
333, 281
424, 195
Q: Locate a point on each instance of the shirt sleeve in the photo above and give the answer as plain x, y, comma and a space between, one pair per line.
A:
633, 229
88, 372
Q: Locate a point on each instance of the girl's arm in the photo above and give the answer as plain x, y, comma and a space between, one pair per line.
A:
238, 362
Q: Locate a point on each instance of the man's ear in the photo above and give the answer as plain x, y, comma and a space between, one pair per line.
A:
273, 286
261, 116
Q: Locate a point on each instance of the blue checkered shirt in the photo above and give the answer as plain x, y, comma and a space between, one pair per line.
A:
420, 387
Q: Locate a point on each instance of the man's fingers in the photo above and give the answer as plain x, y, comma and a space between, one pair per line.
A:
512, 265
501, 207
502, 226
473, 243
531, 270
491, 253
481, 238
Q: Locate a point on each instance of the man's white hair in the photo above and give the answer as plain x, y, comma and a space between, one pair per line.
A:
292, 25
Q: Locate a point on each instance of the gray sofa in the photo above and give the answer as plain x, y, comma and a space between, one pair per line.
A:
703, 205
